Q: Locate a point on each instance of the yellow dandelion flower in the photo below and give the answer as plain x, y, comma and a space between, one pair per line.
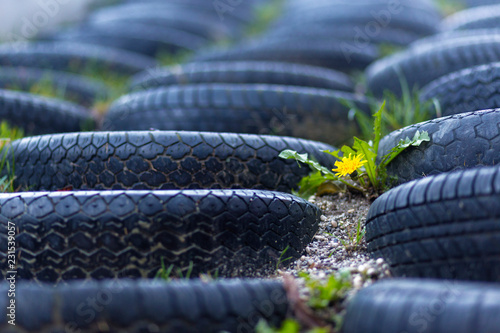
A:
348, 165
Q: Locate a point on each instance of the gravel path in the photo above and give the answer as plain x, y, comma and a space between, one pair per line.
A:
332, 251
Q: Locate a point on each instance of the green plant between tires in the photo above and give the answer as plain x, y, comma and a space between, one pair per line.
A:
7, 135
357, 168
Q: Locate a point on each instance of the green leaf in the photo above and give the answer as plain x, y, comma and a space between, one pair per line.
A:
303, 158
362, 147
417, 140
309, 184
377, 127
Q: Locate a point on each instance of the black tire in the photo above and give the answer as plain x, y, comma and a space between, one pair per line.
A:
71, 87
194, 22
146, 306
447, 36
406, 17
309, 113
334, 54
134, 37
424, 64
457, 142
63, 236
430, 306
244, 72
483, 17
470, 89
240, 14
160, 160
297, 5
475, 3
346, 33
72, 57
445, 226
41, 115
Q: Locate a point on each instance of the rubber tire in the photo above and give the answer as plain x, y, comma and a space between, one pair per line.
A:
147, 306
40, 115
483, 17
424, 64
447, 36
200, 24
345, 32
240, 15
445, 226
72, 57
243, 72
475, 3
134, 37
75, 88
420, 305
298, 5
161, 160
333, 54
470, 89
410, 18
309, 113
457, 142
63, 236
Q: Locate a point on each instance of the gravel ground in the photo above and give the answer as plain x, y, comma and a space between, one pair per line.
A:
333, 250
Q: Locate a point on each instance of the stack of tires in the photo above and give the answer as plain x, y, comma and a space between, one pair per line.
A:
166, 184
153, 28
185, 174
342, 35
440, 228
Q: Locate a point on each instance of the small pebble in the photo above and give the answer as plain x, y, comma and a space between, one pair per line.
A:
334, 224
323, 218
380, 261
371, 271
357, 282
351, 211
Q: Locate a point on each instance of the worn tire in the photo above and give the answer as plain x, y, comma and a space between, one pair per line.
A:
250, 72
71, 87
309, 113
346, 33
140, 38
424, 64
62, 236
475, 3
72, 57
421, 305
408, 17
457, 142
483, 17
445, 226
334, 54
40, 115
146, 306
161, 160
194, 22
470, 89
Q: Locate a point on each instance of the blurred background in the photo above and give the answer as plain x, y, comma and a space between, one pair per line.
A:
23, 19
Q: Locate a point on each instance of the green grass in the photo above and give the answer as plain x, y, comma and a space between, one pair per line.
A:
265, 15
281, 259
325, 298
354, 238
7, 135
170, 59
288, 326
449, 7
168, 273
